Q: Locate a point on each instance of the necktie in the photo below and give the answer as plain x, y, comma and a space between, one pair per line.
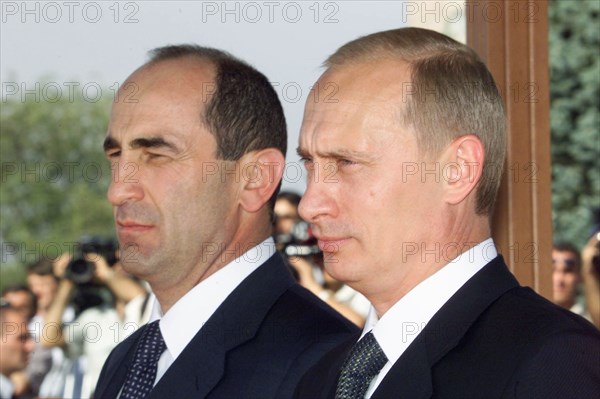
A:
141, 375
364, 362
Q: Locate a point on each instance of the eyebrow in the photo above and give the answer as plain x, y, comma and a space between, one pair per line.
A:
340, 153
302, 153
110, 143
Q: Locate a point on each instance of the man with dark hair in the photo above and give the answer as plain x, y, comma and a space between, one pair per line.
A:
197, 160
417, 139
15, 346
43, 283
21, 298
566, 278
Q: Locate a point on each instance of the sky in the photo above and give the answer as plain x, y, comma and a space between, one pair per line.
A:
86, 45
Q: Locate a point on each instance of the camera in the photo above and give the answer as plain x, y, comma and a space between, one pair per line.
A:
79, 270
301, 241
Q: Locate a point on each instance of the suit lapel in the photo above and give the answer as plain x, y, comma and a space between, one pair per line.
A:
118, 367
201, 365
334, 360
410, 377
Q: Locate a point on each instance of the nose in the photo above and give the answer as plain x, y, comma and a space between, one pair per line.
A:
319, 199
558, 277
125, 184
29, 345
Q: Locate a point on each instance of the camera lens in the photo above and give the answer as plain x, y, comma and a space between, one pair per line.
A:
80, 271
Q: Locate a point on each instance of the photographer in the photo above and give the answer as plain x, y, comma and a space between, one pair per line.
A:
306, 260
97, 329
590, 272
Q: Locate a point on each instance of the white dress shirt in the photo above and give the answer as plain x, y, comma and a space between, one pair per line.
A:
187, 316
6, 387
405, 320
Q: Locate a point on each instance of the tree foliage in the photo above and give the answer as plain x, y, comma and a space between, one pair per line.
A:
574, 36
54, 175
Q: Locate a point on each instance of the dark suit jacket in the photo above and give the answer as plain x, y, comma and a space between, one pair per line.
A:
492, 339
258, 344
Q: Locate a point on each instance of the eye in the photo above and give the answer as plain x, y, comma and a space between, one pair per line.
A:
113, 154
308, 162
155, 156
346, 162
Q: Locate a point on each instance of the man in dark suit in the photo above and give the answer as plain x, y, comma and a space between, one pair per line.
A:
196, 141
404, 167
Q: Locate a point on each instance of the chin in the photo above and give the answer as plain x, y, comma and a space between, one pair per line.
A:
341, 270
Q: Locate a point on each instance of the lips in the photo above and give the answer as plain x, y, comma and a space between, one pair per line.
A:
331, 244
129, 226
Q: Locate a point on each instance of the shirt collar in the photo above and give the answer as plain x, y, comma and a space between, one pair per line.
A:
407, 317
185, 318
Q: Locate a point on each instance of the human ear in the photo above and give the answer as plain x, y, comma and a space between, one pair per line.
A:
463, 167
261, 172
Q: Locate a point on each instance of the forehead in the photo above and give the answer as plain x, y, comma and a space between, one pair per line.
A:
164, 95
283, 206
358, 103
557, 254
12, 316
40, 278
172, 78
17, 295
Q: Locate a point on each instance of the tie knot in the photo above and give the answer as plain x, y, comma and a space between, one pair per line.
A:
142, 373
367, 357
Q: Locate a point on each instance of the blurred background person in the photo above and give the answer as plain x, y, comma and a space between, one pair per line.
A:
566, 278
286, 215
294, 238
348, 302
590, 272
43, 284
111, 305
15, 346
21, 298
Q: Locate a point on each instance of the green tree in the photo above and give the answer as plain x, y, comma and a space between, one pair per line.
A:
54, 174
574, 116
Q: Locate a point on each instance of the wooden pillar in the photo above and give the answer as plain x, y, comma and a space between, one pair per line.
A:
512, 38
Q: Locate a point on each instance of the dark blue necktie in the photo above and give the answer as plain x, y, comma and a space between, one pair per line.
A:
365, 361
141, 375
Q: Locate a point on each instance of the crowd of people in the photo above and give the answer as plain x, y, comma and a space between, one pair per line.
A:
72, 326
220, 315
